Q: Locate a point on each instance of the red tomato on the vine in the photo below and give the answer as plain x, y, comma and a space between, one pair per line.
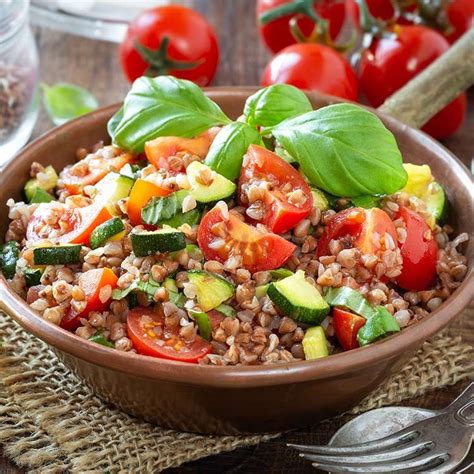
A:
312, 66
171, 40
382, 9
391, 62
460, 15
277, 35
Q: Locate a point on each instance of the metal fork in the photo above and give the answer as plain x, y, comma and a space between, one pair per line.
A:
438, 443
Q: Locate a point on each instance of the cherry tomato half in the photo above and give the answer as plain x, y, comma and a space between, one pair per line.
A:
391, 62
276, 34
57, 222
150, 336
170, 40
346, 325
161, 149
311, 66
419, 253
276, 180
91, 282
91, 170
220, 237
358, 228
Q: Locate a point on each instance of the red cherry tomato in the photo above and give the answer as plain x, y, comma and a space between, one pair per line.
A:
315, 67
346, 325
57, 222
150, 336
277, 35
461, 17
220, 237
357, 227
170, 40
419, 253
277, 180
390, 63
91, 282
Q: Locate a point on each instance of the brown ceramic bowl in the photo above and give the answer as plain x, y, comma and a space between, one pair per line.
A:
229, 400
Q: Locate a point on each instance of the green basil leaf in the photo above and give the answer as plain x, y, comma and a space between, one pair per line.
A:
163, 106
204, 324
120, 293
344, 150
350, 299
99, 338
273, 104
161, 209
229, 147
379, 325
64, 102
114, 121
40, 195
226, 310
366, 202
32, 276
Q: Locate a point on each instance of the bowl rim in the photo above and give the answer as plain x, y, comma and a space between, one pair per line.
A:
243, 376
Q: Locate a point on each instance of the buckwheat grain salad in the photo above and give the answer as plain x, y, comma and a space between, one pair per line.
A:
286, 235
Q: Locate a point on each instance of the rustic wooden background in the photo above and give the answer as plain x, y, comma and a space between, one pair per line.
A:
94, 65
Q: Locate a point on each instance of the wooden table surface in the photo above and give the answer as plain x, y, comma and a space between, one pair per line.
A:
94, 65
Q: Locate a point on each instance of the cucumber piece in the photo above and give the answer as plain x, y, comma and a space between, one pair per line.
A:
111, 188
105, 231
49, 182
280, 273
193, 251
40, 195
170, 285
319, 199
261, 290
298, 299
366, 202
315, 344
204, 324
57, 255
211, 290
436, 202
227, 310
9, 255
32, 276
351, 299
418, 179
99, 338
146, 243
131, 171
379, 325
177, 298
219, 188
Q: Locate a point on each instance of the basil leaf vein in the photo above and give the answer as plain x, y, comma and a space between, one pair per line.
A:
163, 106
229, 147
344, 150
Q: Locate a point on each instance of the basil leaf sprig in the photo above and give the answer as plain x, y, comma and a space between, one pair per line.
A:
229, 147
163, 106
344, 150
64, 101
273, 104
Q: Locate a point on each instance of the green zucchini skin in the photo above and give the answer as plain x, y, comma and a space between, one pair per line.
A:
57, 255
211, 290
105, 231
9, 255
163, 240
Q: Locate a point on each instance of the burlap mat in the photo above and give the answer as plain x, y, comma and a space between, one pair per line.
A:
49, 422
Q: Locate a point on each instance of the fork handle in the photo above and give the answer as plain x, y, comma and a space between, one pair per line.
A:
463, 407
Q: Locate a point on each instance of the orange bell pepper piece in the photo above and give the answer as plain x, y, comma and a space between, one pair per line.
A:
142, 191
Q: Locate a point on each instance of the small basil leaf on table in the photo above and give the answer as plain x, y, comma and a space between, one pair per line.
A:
344, 150
229, 147
163, 106
273, 104
64, 102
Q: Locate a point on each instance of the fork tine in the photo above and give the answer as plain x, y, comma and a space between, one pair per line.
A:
386, 455
391, 441
408, 466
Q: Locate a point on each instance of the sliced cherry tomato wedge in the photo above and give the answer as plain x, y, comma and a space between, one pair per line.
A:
221, 237
91, 170
57, 222
419, 253
142, 191
346, 325
161, 149
361, 228
271, 174
91, 282
150, 336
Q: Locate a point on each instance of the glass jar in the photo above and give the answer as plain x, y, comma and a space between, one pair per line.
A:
19, 95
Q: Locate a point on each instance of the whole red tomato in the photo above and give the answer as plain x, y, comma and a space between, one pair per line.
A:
391, 62
460, 15
382, 9
170, 40
312, 66
276, 34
